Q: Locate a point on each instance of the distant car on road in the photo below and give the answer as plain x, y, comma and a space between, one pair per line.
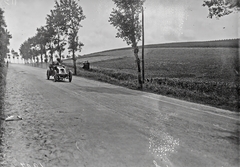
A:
58, 72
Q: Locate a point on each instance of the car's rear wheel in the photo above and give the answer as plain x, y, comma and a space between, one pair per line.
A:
70, 77
48, 74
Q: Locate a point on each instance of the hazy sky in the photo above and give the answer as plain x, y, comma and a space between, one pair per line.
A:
165, 21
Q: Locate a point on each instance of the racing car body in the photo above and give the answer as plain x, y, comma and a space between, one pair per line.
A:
59, 72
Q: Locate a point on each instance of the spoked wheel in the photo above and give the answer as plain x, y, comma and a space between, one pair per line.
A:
48, 75
55, 76
70, 77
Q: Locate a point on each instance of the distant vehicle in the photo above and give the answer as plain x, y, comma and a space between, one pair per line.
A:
59, 72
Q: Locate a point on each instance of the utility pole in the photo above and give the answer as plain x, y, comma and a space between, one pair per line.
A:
143, 78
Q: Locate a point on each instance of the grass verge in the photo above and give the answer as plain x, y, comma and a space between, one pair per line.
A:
3, 73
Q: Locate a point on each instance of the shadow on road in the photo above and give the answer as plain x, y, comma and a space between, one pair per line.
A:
105, 90
60, 81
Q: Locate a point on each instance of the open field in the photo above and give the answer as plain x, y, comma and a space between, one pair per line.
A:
190, 63
96, 57
201, 74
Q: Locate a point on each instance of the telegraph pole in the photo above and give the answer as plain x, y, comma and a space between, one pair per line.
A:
143, 78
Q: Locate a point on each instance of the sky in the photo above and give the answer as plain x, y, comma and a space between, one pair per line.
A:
165, 21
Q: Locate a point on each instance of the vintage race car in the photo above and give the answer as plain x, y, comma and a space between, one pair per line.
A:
59, 73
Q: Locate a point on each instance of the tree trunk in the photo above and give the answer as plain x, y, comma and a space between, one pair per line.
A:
60, 55
237, 81
45, 55
51, 57
238, 91
138, 67
74, 63
59, 51
134, 45
41, 58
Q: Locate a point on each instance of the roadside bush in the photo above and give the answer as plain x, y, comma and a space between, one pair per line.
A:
218, 88
218, 94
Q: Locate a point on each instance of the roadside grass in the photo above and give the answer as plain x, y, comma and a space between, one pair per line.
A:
3, 73
202, 75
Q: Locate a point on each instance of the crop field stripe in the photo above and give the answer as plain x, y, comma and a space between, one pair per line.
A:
220, 115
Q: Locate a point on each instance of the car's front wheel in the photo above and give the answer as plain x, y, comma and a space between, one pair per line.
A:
70, 76
55, 76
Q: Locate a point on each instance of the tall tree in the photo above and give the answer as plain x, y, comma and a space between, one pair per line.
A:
25, 50
125, 18
50, 36
73, 15
34, 48
13, 53
42, 41
219, 8
59, 24
5, 36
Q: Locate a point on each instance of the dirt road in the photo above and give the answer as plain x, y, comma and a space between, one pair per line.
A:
94, 124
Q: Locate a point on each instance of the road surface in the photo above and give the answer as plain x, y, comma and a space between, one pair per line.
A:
93, 124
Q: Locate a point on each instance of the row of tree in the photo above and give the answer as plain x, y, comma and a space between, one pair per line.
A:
5, 36
63, 23
62, 26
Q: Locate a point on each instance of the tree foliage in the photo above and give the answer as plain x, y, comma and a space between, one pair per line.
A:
219, 8
50, 36
5, 36
126, 20
41, 41
15, 54
34, 48
25, 50
29, 50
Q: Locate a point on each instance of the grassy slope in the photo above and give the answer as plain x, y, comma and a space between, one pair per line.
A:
198, 63
200, 74
3, 73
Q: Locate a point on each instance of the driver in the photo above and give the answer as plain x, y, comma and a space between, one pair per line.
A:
58, 63
55, 64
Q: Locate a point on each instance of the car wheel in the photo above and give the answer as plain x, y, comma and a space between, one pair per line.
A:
70, 77
48, 75
55, 76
